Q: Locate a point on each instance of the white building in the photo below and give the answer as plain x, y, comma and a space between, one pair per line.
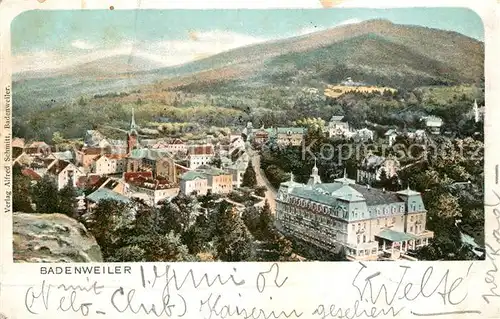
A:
338, 127
109, 164
200, 155
64, 172
433, 124
194, 182
372, 166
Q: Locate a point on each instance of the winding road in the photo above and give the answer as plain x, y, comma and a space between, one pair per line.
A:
262, 180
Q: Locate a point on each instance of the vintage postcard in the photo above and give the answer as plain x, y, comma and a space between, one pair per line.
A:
227, 161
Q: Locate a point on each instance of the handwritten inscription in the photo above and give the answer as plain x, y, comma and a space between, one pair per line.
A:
164, 292
492, 253
373, 293
39, 300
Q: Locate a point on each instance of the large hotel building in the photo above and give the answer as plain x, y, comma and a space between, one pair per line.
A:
368, 223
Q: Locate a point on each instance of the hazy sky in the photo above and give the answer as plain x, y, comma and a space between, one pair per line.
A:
51, 39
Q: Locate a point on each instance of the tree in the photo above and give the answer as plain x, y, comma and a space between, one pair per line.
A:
251, 218
67, 200
45, 196
198, 235
57, 138
265, 220
216, 161
233, 240
445, 205
249, 177
104, 222
21, 191
168, 247
260, 191
132, 253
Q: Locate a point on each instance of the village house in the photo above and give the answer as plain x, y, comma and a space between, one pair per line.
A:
18, 143
237, 169
372, 167
86, 156
364, 135
433, 124
63, 156
200, 155
391, 135
176, 146
37, 148
64, 172
152, 190
290, 136
193, 181
338, 127
93, 199
219, 181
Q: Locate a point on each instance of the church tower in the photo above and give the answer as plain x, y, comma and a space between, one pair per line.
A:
132, 135
314, 178
476, 111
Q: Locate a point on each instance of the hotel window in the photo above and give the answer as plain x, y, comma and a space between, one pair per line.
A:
359, 239
411, 218
402, 208
353, 227
364, 238
378, 222
393, 220
402, 218
411, 229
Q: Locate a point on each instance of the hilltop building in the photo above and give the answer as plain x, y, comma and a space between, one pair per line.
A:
372, 167
367, 223
338, 126
433, 124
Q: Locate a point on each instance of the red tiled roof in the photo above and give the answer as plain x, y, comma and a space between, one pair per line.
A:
92, 151
201, 150
31, 174
116, 156
89, 181
131, 176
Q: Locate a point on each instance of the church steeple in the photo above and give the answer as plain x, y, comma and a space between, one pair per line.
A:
133, 126
132, 135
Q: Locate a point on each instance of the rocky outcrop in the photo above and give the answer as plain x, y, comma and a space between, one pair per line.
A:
52, 238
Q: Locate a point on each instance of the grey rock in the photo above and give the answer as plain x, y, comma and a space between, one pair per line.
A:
52, 238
